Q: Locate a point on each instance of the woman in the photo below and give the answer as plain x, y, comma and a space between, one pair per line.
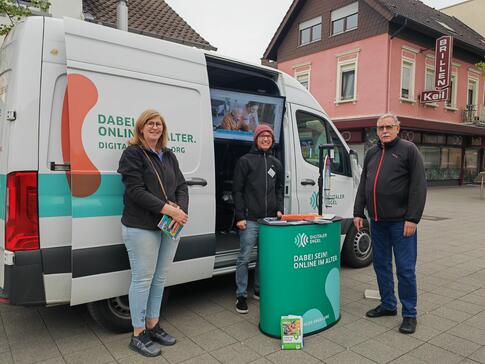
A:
153, 183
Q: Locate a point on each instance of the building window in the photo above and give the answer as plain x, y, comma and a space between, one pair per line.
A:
345, 18
472, 95
451, 102
441, 163
310, 31
482, 110
346, 81
407, 79
429, 79
304, 79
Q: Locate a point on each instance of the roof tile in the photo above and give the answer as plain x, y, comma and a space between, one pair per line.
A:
421, 13
151, 17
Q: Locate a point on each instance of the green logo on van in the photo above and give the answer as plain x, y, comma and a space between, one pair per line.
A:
314, 200
114, 131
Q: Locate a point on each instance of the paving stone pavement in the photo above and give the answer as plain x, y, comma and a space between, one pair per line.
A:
451, 309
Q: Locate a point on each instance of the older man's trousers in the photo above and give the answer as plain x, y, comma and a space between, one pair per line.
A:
387, 237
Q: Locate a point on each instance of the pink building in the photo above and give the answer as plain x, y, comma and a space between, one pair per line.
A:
361, 59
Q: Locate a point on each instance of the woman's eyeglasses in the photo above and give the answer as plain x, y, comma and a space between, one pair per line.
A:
154, 124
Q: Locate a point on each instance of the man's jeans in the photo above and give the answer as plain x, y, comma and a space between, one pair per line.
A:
151, 255
248, 238
386, 238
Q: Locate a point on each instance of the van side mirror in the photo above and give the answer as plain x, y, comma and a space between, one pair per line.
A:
355, 168
353, 154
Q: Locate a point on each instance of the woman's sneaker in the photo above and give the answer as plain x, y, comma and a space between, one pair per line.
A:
241, 305
159, 335
144, 345
256, 295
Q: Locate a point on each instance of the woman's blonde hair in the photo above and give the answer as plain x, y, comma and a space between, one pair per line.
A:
138, 137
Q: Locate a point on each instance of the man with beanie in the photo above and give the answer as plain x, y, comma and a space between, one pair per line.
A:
258, 193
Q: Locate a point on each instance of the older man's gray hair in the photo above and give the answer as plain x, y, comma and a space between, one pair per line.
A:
389, 116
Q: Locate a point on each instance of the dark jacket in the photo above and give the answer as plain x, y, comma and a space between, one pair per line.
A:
258, 185
393, 183
143, 197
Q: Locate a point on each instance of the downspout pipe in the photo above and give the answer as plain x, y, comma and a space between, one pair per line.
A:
122, 15
405, 23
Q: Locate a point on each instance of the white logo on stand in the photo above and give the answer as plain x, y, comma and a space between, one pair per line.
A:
301, 240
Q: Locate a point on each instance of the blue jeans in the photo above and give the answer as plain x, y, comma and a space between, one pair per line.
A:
248, 238
151, 254
386, 238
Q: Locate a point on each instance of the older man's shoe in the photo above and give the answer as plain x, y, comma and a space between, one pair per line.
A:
144, 345
408, 325
159, 335
379, 311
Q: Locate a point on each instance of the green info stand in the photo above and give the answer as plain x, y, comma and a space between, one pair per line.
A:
299, 274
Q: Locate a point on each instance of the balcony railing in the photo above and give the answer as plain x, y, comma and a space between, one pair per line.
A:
470, 115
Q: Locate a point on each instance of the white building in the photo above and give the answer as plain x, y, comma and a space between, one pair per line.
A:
469, 12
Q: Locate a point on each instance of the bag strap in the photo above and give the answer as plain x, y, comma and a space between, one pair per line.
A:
156, 172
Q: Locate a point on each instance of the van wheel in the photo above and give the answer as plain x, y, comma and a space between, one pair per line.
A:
112, 313
357, 249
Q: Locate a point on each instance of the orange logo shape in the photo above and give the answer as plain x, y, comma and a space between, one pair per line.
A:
80, 97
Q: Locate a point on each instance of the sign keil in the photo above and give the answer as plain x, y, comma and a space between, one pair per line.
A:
443, 54
435, 96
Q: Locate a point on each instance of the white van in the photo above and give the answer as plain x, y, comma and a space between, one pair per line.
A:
70, 92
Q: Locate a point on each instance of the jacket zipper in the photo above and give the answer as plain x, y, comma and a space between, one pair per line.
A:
266, 186
376, 217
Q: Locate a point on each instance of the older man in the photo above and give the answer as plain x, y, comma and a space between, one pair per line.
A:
393, 189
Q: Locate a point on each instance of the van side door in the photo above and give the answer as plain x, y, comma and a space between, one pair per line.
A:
112, 77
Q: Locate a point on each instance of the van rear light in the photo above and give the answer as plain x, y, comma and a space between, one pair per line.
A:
22, 226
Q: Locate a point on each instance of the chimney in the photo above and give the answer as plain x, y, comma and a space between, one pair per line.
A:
122, 15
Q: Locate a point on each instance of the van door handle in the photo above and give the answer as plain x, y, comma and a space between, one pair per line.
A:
53, 166
196, 182
308, 181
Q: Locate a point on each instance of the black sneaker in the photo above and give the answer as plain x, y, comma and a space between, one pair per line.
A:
159, 335
143, 345
241, 305
256, 295
379, 311
408, 325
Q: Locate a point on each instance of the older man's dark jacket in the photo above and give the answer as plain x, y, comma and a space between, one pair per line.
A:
393, 183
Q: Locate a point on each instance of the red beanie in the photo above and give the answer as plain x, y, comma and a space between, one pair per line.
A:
261, 128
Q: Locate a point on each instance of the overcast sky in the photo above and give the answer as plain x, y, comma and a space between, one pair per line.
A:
243, 28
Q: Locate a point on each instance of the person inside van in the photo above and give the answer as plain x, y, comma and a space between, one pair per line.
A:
250, 115
258, 192
234, 120
154, 186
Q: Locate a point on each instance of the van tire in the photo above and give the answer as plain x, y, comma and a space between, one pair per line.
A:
357, 249
112, 314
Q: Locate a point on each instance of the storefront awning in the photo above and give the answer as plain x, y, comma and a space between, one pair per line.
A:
416, 124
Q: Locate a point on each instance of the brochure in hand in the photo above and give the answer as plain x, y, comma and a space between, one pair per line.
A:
173, 231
